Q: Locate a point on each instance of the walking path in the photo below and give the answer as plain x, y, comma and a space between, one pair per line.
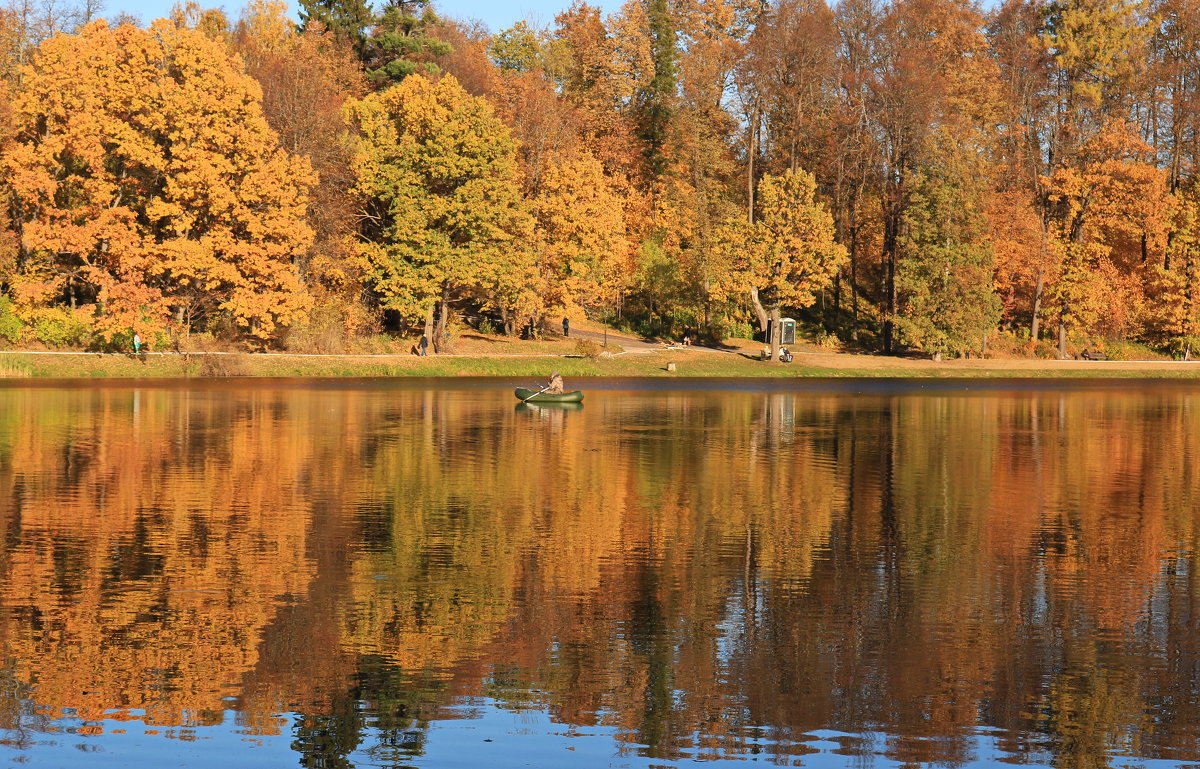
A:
629, 344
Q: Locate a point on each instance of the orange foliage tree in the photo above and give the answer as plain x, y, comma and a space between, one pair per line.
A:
306, 79
145, 179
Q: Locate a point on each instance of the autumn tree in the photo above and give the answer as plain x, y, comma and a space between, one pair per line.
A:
1094, 47
516, 49
1017, 214
945, 274
600, 68
1170, 112
465, 55
788, 254
442, 211
189, 14
154, 190
306, 78
1174, 286
855, 150
583, 247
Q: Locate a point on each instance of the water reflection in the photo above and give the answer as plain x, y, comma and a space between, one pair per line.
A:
366, 574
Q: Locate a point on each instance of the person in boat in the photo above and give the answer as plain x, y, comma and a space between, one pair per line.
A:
556, 384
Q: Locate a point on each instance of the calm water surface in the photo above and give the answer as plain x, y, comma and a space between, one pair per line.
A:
366, 573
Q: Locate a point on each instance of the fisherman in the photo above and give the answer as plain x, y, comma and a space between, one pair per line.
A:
556, 384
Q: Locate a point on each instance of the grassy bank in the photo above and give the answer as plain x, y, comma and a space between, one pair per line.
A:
688, 363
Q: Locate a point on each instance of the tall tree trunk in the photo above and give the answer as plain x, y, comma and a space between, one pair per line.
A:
831, 321
854, 264
440, 337
1035, 328
507, 321
889, 285
751, 149
758, 310
1062, 339
892, 211
429, 321
776, 333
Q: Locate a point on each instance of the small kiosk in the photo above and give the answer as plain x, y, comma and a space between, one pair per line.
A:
787, 329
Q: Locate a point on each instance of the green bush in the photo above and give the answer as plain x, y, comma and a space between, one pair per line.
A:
737, 329
587, 348
827, 341
1120, 349
11, 325
59, 327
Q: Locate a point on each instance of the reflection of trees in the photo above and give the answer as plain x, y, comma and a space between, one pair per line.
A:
687, 568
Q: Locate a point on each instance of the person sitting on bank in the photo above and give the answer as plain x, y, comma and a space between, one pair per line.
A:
556, 384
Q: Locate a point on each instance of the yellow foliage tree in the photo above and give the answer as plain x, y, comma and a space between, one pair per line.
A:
146, 179
1107, 215
585, 253
1174, 286
788, 253
443, 214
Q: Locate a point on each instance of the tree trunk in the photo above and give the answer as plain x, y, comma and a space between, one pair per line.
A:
1062, 340
776, 333
758, 310
891, 244
751, 149
854, 266
1035, 326
429, 323
441, 339
831, 322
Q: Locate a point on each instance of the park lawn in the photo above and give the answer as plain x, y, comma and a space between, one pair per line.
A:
654, 363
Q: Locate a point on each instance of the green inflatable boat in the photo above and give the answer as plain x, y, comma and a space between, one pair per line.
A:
533, 396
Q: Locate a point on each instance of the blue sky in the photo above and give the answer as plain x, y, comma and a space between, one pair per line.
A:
497, 14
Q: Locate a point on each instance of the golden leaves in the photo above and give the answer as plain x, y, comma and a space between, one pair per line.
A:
789, 253
437, 172
144, 156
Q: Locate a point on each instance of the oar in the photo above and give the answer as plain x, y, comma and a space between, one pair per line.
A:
536, 394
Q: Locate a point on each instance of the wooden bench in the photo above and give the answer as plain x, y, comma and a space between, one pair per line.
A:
1093, 355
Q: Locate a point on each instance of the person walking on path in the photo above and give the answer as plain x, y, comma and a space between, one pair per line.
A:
137, 344
566, 327
424, 345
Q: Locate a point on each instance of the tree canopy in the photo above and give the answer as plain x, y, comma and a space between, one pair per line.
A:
1035, 162
145, 179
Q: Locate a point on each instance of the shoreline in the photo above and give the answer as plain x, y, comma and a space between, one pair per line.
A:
690, 363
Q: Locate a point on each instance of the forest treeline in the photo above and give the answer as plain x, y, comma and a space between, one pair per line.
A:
913, 174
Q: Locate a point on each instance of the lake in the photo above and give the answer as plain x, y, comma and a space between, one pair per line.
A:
424, 573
